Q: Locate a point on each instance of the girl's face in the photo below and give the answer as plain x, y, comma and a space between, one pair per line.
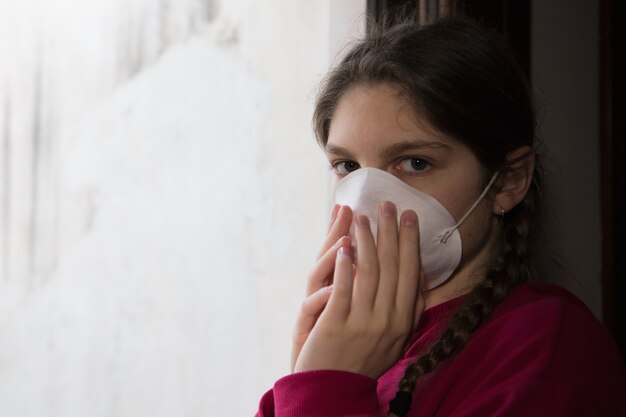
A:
373, 126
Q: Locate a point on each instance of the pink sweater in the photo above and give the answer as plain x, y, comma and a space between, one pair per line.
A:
542, 353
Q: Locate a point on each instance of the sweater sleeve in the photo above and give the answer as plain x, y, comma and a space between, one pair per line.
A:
321, 394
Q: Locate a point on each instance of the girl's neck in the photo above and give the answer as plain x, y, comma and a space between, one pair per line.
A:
469, 274
448, 291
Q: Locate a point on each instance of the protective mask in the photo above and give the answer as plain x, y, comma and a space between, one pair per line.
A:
440, 242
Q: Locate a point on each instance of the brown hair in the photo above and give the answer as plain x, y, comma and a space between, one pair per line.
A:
465, 81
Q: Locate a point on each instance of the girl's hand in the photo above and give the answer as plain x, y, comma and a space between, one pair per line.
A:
319, 282
368, 318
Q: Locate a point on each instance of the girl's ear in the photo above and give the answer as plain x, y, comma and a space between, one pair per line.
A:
514, 180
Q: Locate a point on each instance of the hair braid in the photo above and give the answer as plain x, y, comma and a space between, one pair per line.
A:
508, 271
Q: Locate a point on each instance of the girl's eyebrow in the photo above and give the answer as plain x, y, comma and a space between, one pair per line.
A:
393, 150
411, 145
337, 150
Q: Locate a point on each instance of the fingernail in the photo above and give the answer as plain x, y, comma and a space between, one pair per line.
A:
344, 251
409, 218
362, 220
388, 209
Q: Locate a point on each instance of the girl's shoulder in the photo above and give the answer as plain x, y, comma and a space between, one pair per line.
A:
547, 322
545, 296
544, 336
543, 351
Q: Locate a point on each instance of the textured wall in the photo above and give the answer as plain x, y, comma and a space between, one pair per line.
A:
161, 200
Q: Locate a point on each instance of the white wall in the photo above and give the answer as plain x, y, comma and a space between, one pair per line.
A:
162, 200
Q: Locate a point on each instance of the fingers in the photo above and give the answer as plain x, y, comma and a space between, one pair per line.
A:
311, 308
388, 278
345, 329
333, 216
322, 272
340, 227
341, 297
366, 281
420, 303
388, 256
409, 285
387, 272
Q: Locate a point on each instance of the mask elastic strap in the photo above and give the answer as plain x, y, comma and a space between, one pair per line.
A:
443, 238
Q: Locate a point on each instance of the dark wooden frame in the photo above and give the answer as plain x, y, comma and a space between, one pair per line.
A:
613, 166
511, 17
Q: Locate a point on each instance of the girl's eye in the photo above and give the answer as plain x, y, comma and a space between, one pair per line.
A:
345, 167
413, 165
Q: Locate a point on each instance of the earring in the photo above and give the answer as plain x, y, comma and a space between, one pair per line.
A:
502, 211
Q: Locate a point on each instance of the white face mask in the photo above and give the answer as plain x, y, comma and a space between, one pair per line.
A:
440, 242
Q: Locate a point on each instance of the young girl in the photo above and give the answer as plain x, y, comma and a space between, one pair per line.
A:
422, 305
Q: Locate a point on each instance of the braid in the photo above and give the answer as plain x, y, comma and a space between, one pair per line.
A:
508, 271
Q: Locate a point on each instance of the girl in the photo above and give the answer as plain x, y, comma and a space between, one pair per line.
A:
423, 307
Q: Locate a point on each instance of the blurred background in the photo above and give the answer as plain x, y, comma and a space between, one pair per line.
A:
162, 196
162, 199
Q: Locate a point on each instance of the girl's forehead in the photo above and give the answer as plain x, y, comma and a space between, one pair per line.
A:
378, 116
